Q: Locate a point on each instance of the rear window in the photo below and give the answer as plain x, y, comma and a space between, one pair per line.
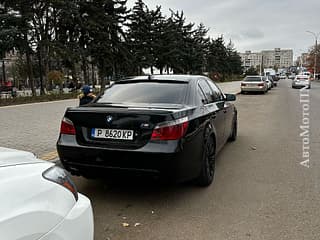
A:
302, 78
145, 92
252, 79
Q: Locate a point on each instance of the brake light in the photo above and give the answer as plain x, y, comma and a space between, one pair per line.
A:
172, 130
261, 84
67, 127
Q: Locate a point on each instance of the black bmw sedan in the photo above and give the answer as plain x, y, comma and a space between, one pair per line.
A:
171, 126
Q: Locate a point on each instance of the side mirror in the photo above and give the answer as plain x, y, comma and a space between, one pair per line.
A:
230, 97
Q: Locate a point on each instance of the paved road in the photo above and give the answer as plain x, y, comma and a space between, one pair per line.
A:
260, 190
257, 194
32, 127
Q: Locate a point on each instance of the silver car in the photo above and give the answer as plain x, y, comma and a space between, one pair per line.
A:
301, 81
254, 84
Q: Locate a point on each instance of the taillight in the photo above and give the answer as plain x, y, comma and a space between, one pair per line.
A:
60, 176
172, 130
260, 84
67, 127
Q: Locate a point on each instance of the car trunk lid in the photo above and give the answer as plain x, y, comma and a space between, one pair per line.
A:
116, 119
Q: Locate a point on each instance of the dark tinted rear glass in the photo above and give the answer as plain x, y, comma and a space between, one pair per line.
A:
145, 92
252, 79
302, 78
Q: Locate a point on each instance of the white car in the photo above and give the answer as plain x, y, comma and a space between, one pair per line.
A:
301, 81
39, 201
269, 83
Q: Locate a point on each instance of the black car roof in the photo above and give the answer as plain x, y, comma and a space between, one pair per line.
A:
167, 78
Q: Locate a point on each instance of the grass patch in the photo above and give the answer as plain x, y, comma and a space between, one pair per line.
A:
36, 99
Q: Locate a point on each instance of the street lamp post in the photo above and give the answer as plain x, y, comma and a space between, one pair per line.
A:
316, 35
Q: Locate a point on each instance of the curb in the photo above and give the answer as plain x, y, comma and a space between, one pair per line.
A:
37, 103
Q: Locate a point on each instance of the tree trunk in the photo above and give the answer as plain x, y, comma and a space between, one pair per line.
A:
30, 73
93, 75
3, 71
74, 75
46, 70
151, 68
85, 71
40, 72
102, 76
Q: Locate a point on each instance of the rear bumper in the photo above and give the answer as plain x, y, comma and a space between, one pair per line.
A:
78, 224
155, 160
300, 84
88, 161
253, 89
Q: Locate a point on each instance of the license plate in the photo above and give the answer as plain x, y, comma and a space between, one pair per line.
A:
118, 134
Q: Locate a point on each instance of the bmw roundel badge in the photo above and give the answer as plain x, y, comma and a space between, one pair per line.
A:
109, 119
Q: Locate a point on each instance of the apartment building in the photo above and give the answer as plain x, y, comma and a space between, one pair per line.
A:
276, 58
250, 59
280, 58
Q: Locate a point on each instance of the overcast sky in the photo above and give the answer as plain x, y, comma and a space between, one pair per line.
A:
252, 24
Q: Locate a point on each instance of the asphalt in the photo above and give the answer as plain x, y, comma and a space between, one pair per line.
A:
260, 191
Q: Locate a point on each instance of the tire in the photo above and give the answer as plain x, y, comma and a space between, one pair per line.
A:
208, 161
234, 133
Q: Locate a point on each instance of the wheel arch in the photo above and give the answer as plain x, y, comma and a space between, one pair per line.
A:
212, 134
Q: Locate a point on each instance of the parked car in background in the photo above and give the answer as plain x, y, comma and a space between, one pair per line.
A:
40, 201
269, 81
171, 126
275, 80
301, 81
292, 76
283, 76
306, 73
254, 84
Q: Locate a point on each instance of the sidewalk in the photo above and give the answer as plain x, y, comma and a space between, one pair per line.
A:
230, 87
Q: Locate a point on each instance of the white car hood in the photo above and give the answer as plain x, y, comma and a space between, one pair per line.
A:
11, 157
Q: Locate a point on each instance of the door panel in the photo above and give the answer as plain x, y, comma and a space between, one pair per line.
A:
215, 107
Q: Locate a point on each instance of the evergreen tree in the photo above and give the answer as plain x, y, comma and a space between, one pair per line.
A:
16, 20
106, 35
234, 59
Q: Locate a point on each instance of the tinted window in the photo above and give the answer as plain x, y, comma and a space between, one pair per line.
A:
252, 79
302, 78
206, 90
145, 92
202, 98
216, 91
